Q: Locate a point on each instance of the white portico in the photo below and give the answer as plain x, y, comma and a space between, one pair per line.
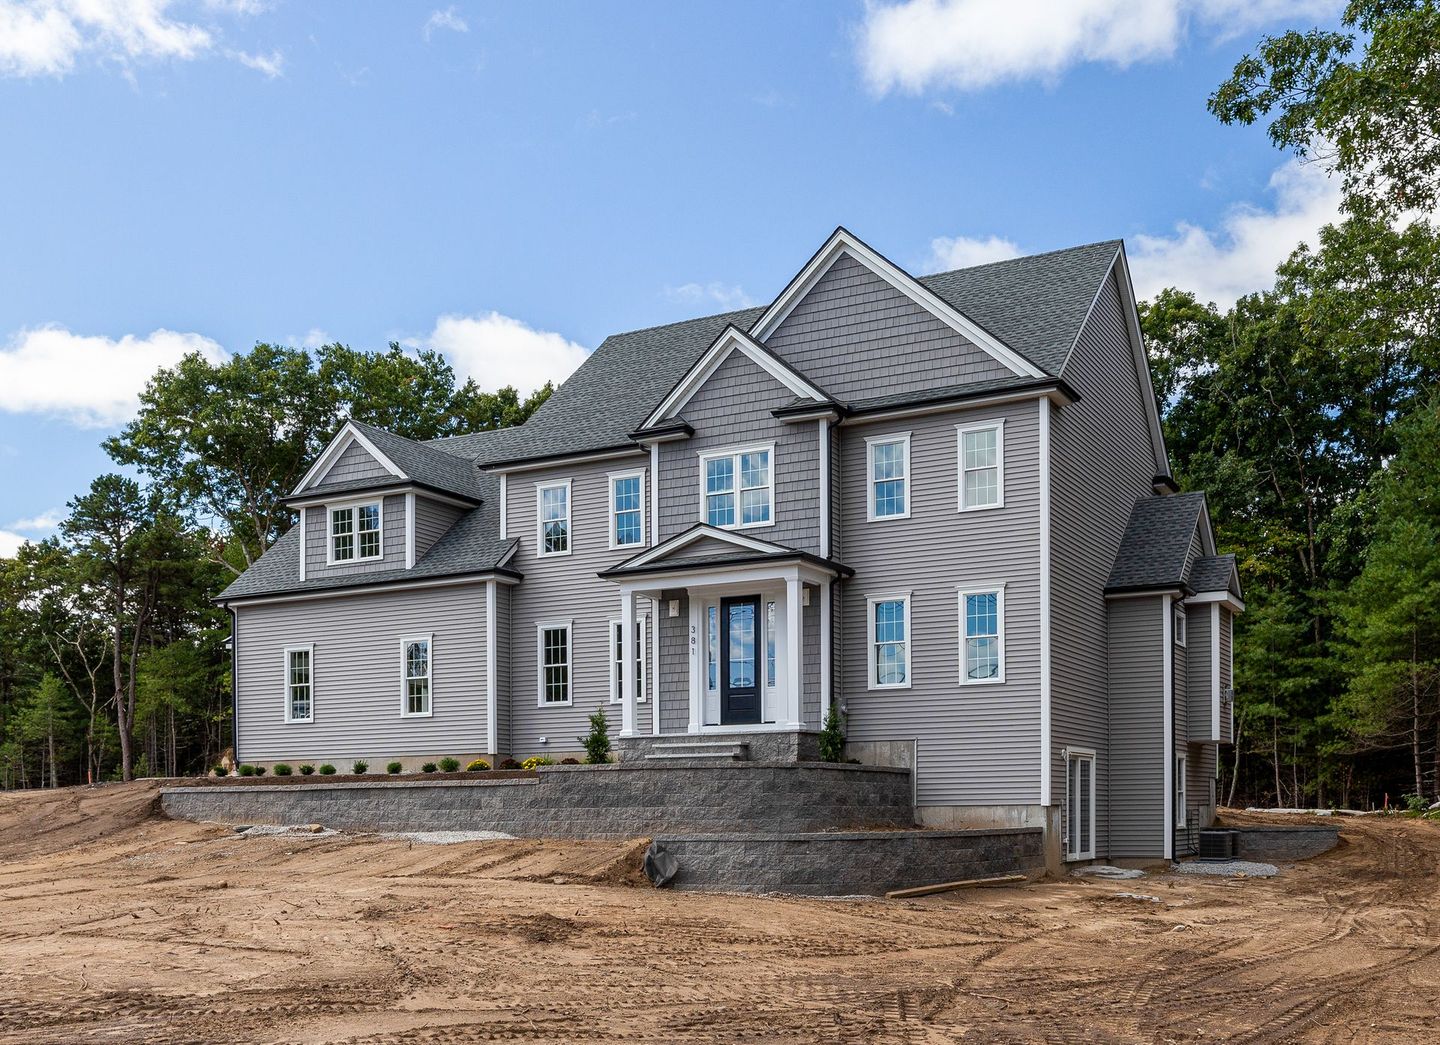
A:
751, 621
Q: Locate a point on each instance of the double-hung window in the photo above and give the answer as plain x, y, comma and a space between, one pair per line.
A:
552, 640
415, 664
889, 641
738, 487
627, 509
1181, 817
299, 684
355, 532
552, 523
982, 635
617, 660
982, 465
889, 458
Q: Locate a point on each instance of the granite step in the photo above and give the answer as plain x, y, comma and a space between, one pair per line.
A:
663, 751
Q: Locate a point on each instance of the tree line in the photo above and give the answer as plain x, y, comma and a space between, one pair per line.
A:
1309, 411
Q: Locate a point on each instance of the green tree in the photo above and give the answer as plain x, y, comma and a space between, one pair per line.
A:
1391, 614
1372, 117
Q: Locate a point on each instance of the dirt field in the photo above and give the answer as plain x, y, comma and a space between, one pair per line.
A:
117, 925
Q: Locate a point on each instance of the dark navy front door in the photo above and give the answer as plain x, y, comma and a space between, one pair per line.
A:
739, 661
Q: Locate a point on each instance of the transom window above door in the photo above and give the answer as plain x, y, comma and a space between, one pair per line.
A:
355, 533
738, 487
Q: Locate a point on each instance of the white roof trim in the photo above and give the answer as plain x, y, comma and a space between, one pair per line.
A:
693, 534
731, 339
1142, 362
348, 434
843, 242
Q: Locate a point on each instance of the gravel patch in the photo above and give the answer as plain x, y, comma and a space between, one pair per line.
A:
1228, 868
286, 831
444, 837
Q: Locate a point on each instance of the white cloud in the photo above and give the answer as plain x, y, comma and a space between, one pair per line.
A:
10, 544
915, 45
272, 64
446, 19
43, 523
727, 295
49, 37
91, 381
1240, 256
497, 350
960, 252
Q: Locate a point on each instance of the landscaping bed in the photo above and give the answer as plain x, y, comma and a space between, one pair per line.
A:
270, 779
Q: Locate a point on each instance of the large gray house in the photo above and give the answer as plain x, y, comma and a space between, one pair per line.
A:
942, 503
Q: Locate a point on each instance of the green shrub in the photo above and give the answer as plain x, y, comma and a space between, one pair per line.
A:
597, 742
307, 769
1415, 803
246, 770
832, 736
428, 767
393, 767
327, 770
221, 771
259, 770
478, 766
281, 769
536, 761
509, 763
449, 765
568, 761
359, 767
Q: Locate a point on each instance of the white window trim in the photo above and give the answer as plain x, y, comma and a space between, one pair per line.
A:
641, 627
540, 552
1071, 854
289, 718
331, 507
1181, 627
960, 433
552, 625
870, 443
735, 452
870, 659
1182, 799
998, 590
611, 479
429, 711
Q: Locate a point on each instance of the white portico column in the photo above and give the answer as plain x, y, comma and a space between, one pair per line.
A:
794, 609
627, 661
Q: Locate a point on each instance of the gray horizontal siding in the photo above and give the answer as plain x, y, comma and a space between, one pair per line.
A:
734, 409
1227, 721
503, 698
355, 464
1136, 778
979, 745
857, 337
392, 541
1197, 657
357, 675
432, 520
561, 588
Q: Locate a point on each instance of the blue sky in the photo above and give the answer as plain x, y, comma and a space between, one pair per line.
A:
511, 182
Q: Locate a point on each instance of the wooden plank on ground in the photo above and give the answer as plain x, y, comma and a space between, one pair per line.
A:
945, 887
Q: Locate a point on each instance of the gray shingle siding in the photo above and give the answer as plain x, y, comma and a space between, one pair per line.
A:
1101, 459
357, 675
810, 708
355, 465
856, 336
1135, 780
392, 545
433, 520
675, 664
733, 409
565, 588
979, 745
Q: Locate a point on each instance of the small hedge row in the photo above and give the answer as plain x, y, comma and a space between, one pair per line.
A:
361, 767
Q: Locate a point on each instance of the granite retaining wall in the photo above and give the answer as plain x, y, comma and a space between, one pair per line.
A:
615, 801
848, 863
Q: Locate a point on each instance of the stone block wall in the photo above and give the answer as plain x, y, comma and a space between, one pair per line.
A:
853, 863
1286, 843
764, 745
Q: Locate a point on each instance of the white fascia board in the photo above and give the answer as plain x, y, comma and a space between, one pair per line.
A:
843, 242
348, 433
731, 340
1121, 267
1224, 598
691, 536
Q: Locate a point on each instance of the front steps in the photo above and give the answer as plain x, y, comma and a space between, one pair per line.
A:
677, 750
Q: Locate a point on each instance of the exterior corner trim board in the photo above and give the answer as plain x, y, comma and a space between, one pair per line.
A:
1046, 770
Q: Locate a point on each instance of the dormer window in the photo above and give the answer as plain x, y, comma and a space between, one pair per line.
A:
355, 533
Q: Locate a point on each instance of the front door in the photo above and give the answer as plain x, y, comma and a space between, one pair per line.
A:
739, 664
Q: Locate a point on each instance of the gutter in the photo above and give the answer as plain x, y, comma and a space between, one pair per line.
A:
361, 588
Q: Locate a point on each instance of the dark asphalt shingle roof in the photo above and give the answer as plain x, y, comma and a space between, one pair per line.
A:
1156, 542
425, 463
470, 546
1213, 573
